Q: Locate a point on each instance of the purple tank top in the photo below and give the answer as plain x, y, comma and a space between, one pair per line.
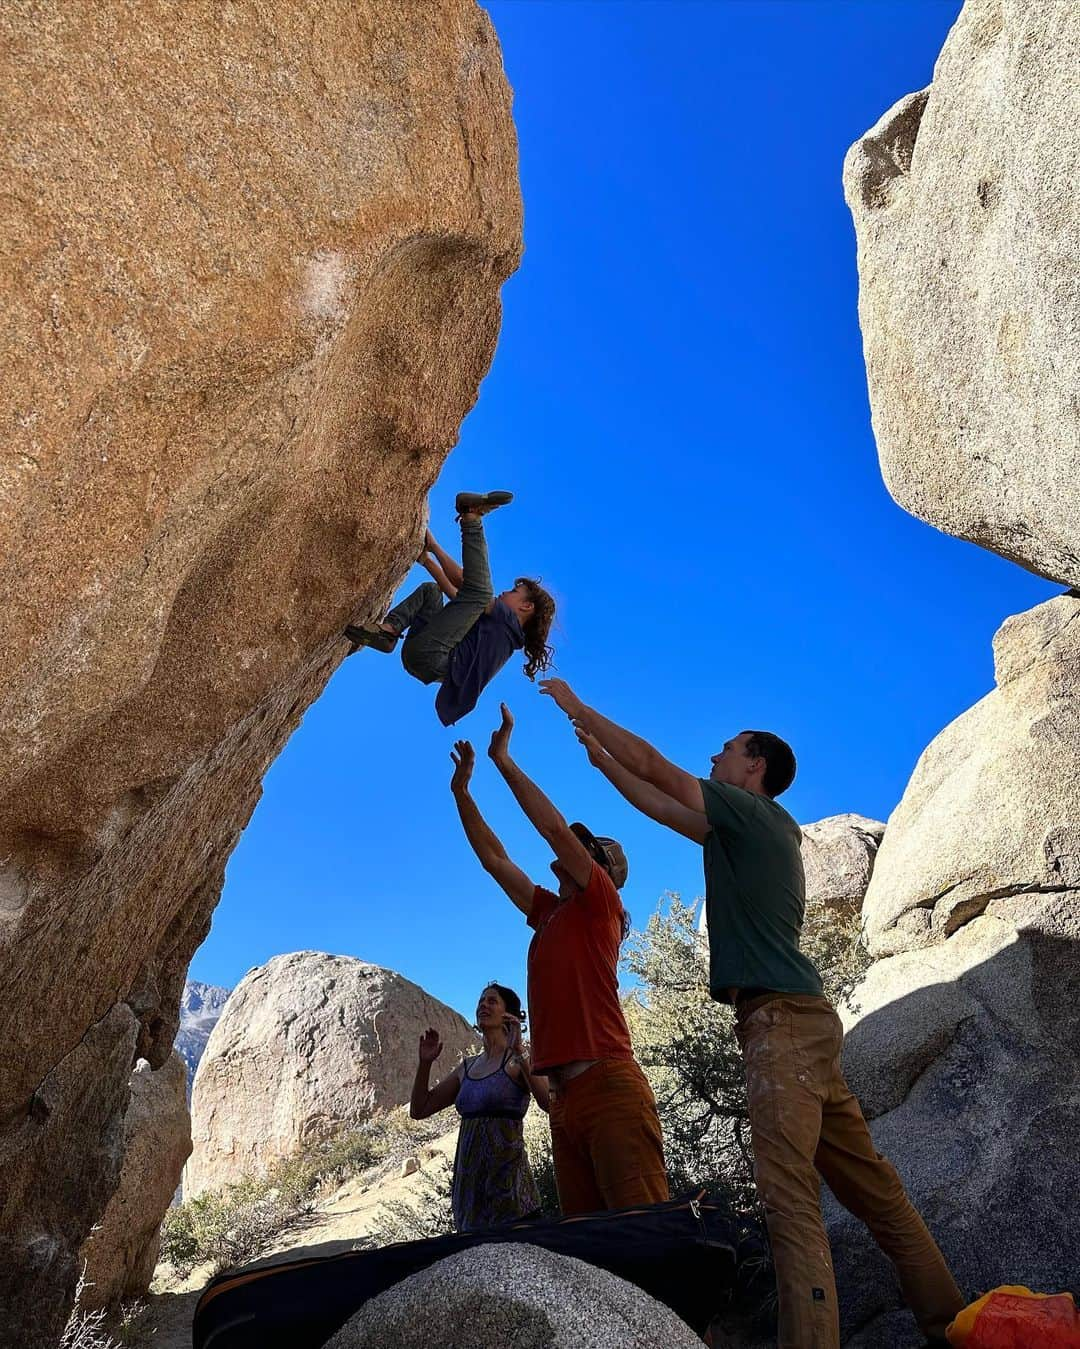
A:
496, 1096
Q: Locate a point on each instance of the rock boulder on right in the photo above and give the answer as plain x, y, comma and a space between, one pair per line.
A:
963, 1041
968, 222
992, 811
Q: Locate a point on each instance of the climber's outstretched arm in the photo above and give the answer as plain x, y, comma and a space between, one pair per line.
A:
450, 566
439, 576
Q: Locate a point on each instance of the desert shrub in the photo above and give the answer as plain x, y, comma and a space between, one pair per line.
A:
832, 938
238, 1222
103, 1328
86, 1330
686, 1046
401, 1136
538, 1150
426, 1213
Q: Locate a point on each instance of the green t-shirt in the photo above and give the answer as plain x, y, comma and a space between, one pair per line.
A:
754, 894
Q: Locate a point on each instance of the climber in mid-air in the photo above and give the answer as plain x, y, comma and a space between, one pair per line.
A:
463, 644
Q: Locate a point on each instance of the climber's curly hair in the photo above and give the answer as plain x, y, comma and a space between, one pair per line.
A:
537, 627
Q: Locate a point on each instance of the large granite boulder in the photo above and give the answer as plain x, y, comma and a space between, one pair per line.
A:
993, 806
308, 1044
964, 1044
250, 260
120, 1256
968, 223
514, 1294
966, 1059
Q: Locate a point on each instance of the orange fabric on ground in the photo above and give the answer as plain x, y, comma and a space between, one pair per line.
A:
1013, 1317
606, 1142
573, 975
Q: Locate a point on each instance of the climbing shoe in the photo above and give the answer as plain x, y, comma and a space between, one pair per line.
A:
480, 503
373, 637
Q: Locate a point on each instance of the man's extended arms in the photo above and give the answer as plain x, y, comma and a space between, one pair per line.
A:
543, 816
637, 756
648, 799
484, 841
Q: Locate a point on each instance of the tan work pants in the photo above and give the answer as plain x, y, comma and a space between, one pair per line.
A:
804, 1121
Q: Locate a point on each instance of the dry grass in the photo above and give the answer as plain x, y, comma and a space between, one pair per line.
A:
236, 1224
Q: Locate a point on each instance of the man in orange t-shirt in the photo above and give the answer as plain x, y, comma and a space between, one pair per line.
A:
605, 1133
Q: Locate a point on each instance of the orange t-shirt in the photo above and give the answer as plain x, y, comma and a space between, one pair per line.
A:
573, 979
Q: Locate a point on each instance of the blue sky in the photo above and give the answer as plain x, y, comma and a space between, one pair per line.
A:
679, 402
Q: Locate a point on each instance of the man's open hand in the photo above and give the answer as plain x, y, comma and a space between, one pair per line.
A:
564, 697
464, 757
499, 749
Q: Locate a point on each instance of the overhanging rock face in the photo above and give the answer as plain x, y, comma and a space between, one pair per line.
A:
968, 222
250, 262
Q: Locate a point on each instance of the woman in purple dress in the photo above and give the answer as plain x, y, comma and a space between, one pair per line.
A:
492, 1180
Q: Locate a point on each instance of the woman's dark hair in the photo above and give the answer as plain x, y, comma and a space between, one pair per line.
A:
779, 760
537, 627
509, 997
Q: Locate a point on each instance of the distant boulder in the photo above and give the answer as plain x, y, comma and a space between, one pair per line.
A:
122, 1250
514, 1294
838, 854
307, 1045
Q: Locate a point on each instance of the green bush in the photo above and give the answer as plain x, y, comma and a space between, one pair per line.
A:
686, 1046
237, 1223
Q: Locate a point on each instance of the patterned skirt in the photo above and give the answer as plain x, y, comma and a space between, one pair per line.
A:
492, 1180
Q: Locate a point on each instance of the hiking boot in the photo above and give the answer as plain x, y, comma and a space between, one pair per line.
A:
480, 503
373, 637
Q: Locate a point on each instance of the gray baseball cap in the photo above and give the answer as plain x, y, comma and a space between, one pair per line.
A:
607, 851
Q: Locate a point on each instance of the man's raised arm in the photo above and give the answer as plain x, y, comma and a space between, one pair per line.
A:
637, 756
648, 799
542, 814
485, 842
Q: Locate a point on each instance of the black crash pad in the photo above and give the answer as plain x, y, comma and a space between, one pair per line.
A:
683, 1253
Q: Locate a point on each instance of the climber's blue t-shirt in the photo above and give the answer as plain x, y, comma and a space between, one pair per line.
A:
476, 660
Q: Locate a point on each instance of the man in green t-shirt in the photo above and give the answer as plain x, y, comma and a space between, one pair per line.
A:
804, 1120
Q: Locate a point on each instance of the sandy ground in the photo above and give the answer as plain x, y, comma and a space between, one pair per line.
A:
336, 1226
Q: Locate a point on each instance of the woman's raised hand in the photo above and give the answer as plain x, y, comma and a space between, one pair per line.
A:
500, 739
464, 757
512, 1026
430, 1046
